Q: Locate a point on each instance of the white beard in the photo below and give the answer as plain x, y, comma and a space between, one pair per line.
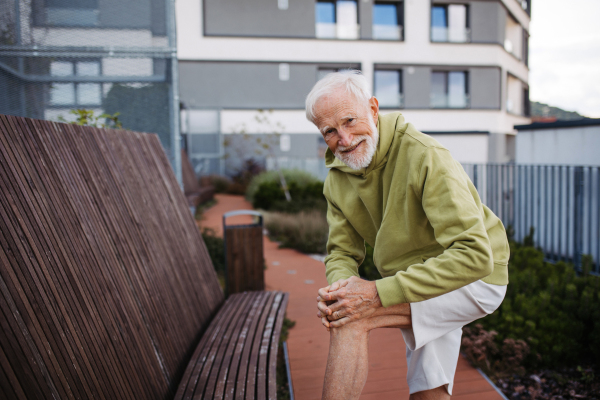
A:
360, 159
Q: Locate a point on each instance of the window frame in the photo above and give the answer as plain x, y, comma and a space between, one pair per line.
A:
446, 73
335, 19
400, 86
399, 16
76, 103
467, 28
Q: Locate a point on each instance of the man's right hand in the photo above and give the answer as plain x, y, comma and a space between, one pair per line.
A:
322, 303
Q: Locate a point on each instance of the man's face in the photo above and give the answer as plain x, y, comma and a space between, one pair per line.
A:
348, 127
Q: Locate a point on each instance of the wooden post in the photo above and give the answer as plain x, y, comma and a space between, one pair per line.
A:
244, 256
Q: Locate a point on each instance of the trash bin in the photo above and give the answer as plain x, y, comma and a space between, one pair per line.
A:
244, 255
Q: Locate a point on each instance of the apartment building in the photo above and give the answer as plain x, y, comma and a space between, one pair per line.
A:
457, 69
102, 55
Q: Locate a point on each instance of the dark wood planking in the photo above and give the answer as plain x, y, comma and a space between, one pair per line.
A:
239, 363
245, 260
265, 347
272, 373
91, 229
105, 282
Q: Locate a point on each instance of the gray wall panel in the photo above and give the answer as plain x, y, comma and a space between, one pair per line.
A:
484, 87
417, 87
244, 85
125, 13
259, 18
365, 19
486, 22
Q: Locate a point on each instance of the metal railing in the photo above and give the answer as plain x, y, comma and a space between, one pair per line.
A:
560, 202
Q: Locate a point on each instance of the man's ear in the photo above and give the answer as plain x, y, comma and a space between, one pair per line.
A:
374, 108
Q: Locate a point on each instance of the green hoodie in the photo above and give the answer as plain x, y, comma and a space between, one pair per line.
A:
419, 210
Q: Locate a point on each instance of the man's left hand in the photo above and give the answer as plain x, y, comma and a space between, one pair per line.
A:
354, 299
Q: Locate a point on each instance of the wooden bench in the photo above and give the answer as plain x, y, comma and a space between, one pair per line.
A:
106, 288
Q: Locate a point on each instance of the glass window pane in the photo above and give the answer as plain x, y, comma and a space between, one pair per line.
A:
438, 89
71, 17
203, 121
385, 22
457, 23
387, 88
385, 14
89, 94
323, 72
439, 24
61, 68
88, 68
62, 94
457, 85
347, 19
325, 13
325, 24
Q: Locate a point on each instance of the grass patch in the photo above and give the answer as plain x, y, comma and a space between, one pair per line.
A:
306, 231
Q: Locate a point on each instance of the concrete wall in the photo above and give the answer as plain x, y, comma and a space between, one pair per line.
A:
259, 18
563, 146
470, 148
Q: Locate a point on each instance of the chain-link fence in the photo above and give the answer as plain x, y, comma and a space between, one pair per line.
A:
107, 56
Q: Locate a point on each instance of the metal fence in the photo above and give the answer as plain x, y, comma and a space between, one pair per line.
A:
561, 203
107, 56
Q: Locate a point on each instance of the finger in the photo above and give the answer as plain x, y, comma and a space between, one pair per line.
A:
340, 322
324, 293
325, 323
323, 308
336, 315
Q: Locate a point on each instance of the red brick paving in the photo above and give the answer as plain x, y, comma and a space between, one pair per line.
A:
301, 276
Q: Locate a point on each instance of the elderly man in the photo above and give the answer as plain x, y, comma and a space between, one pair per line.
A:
441, 253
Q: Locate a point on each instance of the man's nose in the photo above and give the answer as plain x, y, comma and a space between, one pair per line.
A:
345, 137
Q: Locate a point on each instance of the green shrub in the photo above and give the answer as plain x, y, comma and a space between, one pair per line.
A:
551, 309
306, 231
265, 192
216, 251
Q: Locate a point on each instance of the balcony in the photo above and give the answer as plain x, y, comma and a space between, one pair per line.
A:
387, 32
391, 100
337, 31
449, 100
452, 35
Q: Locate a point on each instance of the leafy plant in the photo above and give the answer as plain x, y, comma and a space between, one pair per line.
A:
88, 118
306, 231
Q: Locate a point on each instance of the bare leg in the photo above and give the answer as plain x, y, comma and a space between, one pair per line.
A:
438, 393
347, 363
348, 360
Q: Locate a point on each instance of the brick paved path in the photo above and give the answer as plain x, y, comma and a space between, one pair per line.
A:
301, 276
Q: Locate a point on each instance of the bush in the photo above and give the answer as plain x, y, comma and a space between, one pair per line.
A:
216, 251
551, 309
265, 192
306, 231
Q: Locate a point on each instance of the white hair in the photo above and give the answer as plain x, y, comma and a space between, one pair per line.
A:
352, 81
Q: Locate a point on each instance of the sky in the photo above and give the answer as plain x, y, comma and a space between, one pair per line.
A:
564, 55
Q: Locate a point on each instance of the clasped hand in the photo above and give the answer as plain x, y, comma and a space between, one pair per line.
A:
347, 300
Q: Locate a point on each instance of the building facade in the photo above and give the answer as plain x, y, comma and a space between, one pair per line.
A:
107, 56
456, 69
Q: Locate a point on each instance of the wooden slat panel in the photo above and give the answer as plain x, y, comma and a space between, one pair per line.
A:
106, 284
245, 258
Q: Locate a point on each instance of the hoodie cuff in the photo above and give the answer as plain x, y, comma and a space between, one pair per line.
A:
390, 292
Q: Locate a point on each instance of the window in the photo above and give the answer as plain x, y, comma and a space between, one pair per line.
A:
387, 21
337, 19
449, 89
71, 12
449, 23
513, 42
388, 88
75, 94
517, 97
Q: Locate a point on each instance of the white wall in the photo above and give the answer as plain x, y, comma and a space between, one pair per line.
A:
570, 146
467, 148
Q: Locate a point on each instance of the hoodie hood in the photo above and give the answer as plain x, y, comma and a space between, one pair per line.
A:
386, 126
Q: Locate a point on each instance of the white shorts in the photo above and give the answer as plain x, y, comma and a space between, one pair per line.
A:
433, 342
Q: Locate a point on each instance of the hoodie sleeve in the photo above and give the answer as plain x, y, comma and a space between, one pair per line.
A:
345, 247
458, 226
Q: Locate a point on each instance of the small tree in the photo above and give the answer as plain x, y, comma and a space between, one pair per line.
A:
88, 118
